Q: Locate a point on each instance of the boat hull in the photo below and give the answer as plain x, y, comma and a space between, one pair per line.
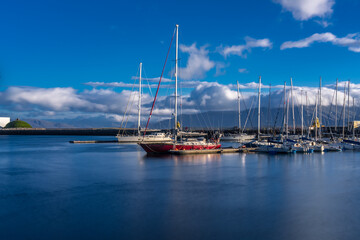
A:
237, 138
166, 147
138, 139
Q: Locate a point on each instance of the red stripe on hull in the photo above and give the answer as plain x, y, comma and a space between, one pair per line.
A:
166, 147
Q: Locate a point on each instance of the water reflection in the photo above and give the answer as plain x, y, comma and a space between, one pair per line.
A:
122, 191
198, 159
192, 159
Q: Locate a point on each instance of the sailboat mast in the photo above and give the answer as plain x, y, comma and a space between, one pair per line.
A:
239, 107
343, 130
316, 118
259, 108
353, 125
139, 107
285, 107
349, 105
287, 116
292, 103
307, 109
302, 115
269, 112
336, 103
320, 110
176, 79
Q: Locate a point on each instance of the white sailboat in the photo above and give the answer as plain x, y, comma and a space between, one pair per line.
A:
155, 137
184, 144
237, 137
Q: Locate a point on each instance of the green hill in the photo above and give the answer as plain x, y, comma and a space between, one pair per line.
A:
18, 124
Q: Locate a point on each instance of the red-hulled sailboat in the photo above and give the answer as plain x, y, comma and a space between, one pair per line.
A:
188, 144
182, 145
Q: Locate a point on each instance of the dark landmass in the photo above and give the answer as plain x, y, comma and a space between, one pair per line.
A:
70, 131
225, 121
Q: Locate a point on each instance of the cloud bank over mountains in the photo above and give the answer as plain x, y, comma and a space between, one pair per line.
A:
207, 96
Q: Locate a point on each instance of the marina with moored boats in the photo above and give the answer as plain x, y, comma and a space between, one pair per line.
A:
313, 136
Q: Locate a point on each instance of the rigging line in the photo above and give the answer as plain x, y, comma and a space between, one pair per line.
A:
126, 109
132, 96
277, 115
207, 124
313, 114
342, 115
252, 117
127, 118
247, 117
246, 108
147, 80
201, 114
297, 107
355, 113
210, 124
241, 97
329, 114
123, 126
157, 90
269, 105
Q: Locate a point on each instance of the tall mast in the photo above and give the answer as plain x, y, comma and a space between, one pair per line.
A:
259, 108
307, 109
344, 102
139, 107
269, 112
320, 110
285, 107
349, 105
316, 118
287, 117
336, 104
292, 103
353, 125
176, 78
239, 107
302, 115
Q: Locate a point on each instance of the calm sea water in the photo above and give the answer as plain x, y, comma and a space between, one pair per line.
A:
51, 189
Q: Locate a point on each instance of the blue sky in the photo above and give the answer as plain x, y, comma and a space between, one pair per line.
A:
59, 46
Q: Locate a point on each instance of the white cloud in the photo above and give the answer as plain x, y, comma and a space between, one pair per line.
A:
68, 100
323, 23
182, 84
58, 99
220, 68
307, 9
351, 41
198, 63
243, 70
241, 50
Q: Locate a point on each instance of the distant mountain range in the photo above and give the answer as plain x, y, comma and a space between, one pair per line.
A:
213, 119
273, 118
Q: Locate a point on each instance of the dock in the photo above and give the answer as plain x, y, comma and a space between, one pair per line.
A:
205, 151
94, 141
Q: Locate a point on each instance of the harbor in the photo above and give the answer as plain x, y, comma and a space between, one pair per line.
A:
180, 120
242, 195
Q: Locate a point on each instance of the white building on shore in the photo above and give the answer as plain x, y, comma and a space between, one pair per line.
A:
4, 121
